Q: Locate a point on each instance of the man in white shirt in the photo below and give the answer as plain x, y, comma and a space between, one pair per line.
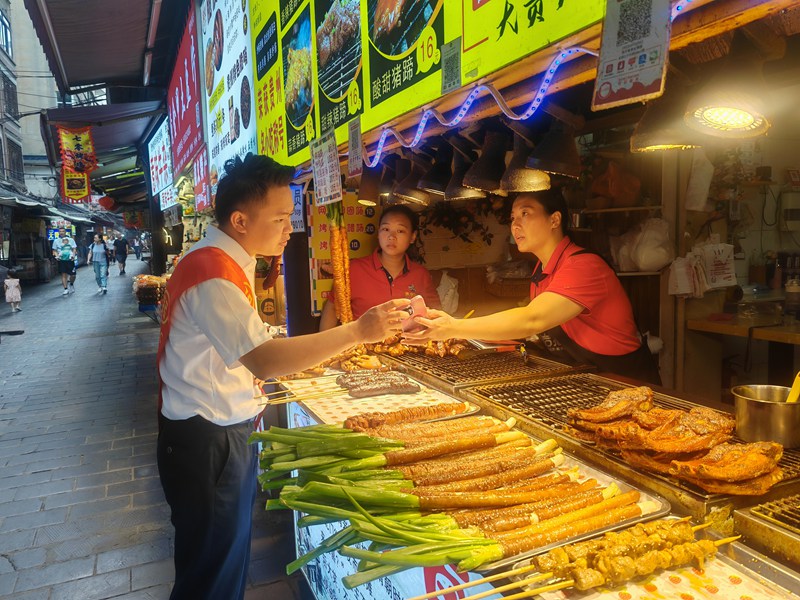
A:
213, 344
64, 251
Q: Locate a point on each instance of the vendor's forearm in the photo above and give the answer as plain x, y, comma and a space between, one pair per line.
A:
508, 324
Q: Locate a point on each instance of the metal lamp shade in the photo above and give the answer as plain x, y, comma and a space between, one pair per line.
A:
518, 177
662, 126
557, 154
435, 180
487, 171
368, 191
407, 190
455, 190
730, 105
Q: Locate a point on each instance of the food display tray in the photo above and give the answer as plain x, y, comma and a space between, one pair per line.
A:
736, 572
541, 407
331, 403
604, 479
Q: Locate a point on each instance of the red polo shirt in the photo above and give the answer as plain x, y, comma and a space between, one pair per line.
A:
606, 325
371, 284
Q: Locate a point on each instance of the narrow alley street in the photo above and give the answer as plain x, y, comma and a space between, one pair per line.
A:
82, 514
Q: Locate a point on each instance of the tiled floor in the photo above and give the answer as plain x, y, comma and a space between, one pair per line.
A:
82, 515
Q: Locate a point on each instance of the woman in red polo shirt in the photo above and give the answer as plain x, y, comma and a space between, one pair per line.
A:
388, 272
578, 307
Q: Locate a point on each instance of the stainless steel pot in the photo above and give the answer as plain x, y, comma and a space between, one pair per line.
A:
762, 414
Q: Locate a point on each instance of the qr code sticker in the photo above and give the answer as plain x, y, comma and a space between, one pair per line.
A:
451, 66
635, 21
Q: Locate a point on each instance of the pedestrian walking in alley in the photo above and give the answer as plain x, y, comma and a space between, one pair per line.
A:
64, 251
13, 291
212, 345
137, 247
121, 252
99, 257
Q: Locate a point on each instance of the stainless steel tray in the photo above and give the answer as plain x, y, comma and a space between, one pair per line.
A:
735, 567
603, 479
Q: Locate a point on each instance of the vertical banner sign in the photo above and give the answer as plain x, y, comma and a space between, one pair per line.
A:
228, 70
325, 164
633, 52
77, 149
355, 160
298, 223
270, 117
361, 223
160, 158
299, 104
339, 61
74, 187
202, 189
497, 33
183, 100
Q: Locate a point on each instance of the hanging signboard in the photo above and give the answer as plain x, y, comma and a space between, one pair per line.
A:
202, 187
160, 158
74, 187
355, 160
167, 198
77, 149
298, 222
633, 53
327, 176
228, 71
183, 100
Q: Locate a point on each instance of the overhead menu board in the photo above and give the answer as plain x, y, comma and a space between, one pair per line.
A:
321, 63
228, 70
160, 158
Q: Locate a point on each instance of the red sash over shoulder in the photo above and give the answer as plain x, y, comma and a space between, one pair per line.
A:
196, 267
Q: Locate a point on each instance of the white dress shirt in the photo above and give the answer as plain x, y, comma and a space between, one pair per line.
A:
213, 326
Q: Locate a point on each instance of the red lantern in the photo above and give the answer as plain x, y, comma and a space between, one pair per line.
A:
107, 202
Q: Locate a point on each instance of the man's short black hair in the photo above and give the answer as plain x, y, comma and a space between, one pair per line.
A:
401, 209
247, 181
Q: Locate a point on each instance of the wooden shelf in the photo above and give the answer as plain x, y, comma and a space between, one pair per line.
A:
637, 273
596, 211
757, 183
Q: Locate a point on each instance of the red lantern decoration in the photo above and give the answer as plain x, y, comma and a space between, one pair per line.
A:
108, 203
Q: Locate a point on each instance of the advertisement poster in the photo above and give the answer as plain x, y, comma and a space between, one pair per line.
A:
299, 104
202, 188
160, 157
183, 100
74, 187
228, 70
500, 32
339, 61
361, 223
633, 53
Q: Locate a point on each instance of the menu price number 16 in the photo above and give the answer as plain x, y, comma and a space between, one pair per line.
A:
428, 53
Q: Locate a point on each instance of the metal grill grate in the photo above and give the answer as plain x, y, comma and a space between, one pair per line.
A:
500, 366
547, 400
784, 512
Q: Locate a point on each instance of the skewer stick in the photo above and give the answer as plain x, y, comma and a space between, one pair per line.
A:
541, 590
475, 582
511, 586
701, 526
726, 540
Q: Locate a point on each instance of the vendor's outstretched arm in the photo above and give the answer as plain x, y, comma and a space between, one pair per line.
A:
328, 319
543, 313
290, 355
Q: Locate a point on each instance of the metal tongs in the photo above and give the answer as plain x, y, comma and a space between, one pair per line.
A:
469, 353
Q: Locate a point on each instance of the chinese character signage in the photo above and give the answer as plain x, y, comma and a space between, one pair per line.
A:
160, 157
167, 198
77, 149
298, 222
228, 69
183, 100
325, 163
74, 187
633, 53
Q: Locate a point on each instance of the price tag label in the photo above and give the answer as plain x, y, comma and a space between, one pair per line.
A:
451, 66
428, 53
355, 163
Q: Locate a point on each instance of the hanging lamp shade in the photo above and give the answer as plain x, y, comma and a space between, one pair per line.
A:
557, 153
486, 172
730, 104
388, 178
518, 177
368, 190
662, 126
435, 179
406, 189
463, 157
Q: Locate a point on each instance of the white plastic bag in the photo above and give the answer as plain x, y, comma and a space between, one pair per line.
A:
448, 293
653, 250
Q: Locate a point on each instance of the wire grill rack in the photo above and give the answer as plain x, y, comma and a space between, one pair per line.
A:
784, 513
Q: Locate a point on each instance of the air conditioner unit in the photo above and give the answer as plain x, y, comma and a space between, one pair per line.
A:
790, 211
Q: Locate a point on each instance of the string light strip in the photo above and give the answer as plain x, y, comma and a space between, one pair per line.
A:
536, 103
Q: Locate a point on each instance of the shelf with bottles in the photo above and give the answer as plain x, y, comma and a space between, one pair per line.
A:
621, 209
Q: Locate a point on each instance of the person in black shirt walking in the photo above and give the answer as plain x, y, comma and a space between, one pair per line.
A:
121, 252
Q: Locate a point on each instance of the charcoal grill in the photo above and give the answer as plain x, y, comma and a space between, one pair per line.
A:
543, 405
773, 527
340, 71
450, 374
416, 14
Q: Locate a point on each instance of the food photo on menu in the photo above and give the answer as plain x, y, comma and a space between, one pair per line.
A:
338, 45
396, 25
297, 69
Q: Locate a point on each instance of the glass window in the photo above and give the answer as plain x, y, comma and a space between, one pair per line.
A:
16, 170
5, 34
